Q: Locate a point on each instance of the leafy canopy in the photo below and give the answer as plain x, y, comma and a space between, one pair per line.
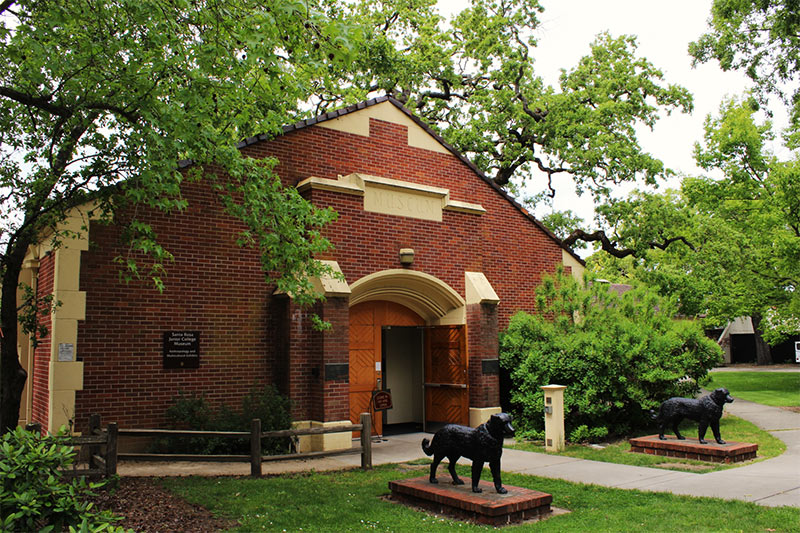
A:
741, 254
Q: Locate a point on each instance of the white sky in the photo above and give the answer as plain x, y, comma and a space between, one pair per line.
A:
664, 32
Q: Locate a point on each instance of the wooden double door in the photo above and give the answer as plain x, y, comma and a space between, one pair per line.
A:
443, 356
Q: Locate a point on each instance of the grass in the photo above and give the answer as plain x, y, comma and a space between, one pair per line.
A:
353, 501
778, 389
732, 429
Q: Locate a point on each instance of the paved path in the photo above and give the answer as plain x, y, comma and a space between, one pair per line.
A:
774, 482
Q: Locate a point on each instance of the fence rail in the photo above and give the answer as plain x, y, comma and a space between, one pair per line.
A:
106, 463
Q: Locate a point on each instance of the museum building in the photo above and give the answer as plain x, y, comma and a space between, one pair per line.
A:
435, 259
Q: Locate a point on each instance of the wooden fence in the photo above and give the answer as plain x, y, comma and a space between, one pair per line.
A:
103, 444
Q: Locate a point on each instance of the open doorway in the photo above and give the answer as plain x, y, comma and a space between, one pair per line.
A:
402, 356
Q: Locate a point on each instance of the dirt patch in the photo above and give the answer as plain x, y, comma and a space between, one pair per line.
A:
685, 466
792, 408
149, 508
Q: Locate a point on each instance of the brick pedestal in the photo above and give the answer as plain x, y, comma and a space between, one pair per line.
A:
730, 452
460, 502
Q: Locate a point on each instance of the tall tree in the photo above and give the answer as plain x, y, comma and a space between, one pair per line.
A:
474, 80
740, 253
100, 100
762, 39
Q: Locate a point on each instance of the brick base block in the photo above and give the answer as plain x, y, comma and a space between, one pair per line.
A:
730, 452
458, 501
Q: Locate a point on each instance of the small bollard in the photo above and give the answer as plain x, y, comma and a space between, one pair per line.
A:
554, 418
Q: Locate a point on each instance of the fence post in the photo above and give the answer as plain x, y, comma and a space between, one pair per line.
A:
111, 449
366, 441
255, 447
94, 429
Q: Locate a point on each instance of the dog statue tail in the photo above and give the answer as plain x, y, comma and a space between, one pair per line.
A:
426, 447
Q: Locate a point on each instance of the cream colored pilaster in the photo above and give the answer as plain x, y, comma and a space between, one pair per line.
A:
28, 276
66, 373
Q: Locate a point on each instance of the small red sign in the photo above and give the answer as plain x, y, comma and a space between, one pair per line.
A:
382, 400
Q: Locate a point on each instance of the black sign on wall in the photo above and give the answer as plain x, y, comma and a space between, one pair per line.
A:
181, 349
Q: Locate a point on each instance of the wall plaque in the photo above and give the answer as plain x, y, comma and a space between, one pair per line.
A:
382, 400
181, 349
490, 366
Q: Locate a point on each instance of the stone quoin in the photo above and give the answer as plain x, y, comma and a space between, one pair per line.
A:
426, 328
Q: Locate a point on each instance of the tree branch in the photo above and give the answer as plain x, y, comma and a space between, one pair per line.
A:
611, 248
39, 102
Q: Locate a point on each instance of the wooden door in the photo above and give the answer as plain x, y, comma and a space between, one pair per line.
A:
366, 374
446, 377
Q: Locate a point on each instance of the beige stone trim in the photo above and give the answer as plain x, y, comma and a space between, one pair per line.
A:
568, 260
479, 290
330, 286
358, 123
331, 441
65, 376
394, 197
303, 441
426, 295
479, 415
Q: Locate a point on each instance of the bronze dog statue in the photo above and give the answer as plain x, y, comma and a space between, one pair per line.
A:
481, 444
705, 411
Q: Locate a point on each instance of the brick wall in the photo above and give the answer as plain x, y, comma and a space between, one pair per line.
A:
39, 381
247, 336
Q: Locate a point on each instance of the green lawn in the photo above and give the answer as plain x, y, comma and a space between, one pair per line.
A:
731, 428
354, 501
779, 389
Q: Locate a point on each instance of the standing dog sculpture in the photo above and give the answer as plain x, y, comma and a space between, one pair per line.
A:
705, 411
481, 444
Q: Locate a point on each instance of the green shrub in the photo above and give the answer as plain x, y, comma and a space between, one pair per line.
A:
193, 412
619, 357
36, 496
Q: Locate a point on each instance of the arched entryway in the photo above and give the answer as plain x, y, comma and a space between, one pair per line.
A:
407, 335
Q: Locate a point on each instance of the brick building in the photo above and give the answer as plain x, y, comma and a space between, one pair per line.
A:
435, 259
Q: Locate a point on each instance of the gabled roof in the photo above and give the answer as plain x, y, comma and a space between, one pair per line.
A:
330, 115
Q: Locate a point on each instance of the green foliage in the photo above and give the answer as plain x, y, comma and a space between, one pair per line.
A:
473, 78
761, 39
740, 253
35, 495
618, 355
193, 412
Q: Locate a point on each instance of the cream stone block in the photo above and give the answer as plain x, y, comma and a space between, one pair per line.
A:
73, 305
328, 285
332, 441
66, 376
303, 441
479, 415
67, 270
63, 331
62, 409
554, 440
478, 289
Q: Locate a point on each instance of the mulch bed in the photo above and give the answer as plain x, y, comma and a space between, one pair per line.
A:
149, 508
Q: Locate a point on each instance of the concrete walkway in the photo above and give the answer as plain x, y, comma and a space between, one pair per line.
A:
774, 482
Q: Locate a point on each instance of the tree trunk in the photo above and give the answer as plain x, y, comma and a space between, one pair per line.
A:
12, 375
763, 350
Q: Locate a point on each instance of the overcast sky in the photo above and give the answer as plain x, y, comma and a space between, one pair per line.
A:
664, 31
